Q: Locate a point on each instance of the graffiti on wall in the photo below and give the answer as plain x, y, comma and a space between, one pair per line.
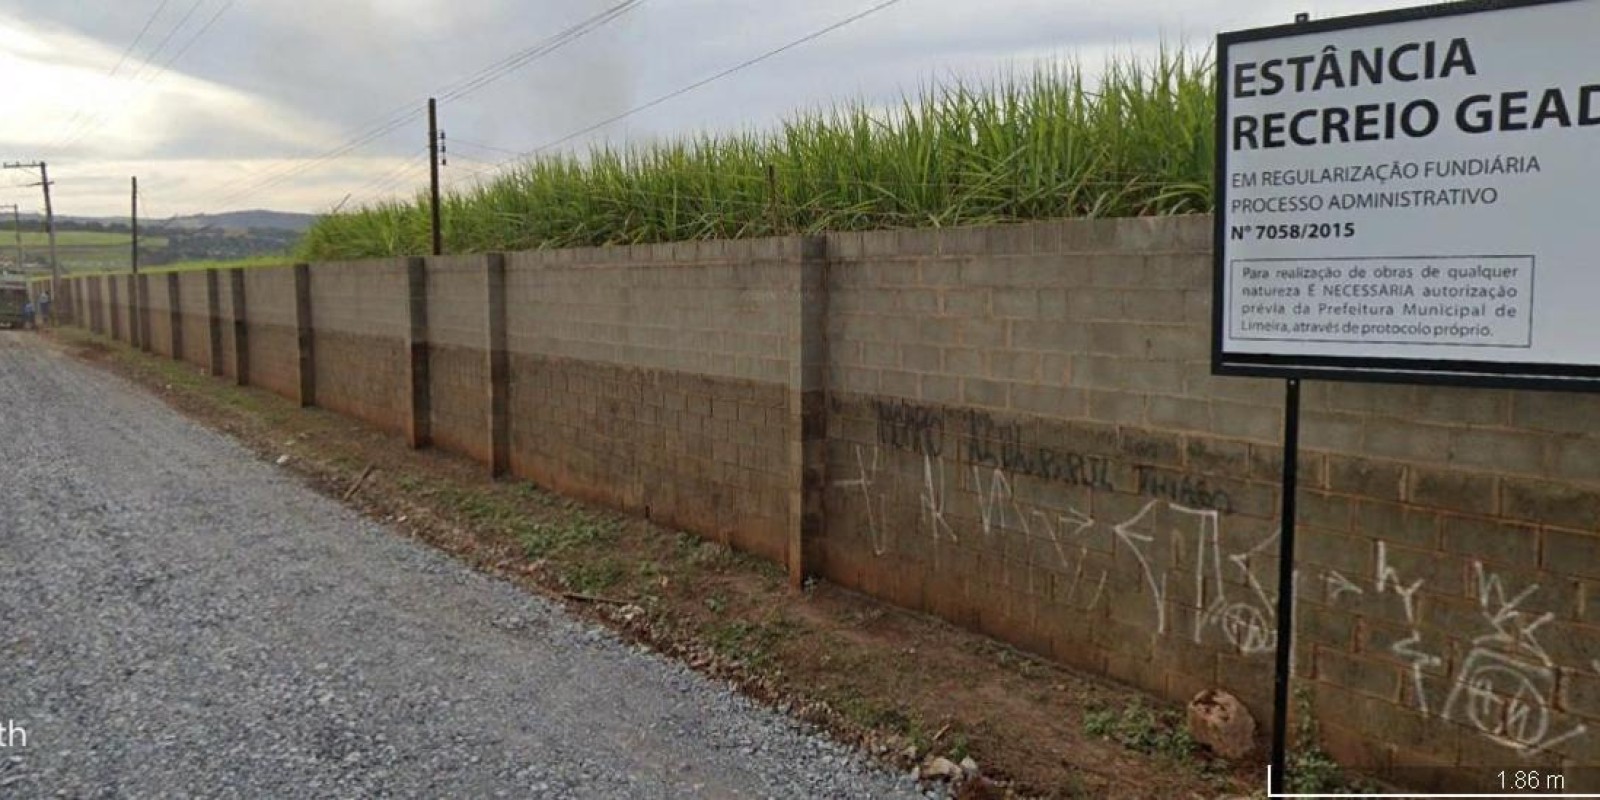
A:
1505, 685
1198, 580
969, 450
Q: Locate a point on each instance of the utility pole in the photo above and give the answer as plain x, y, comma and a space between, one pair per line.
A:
435, 148
49, 222
134, 256
16, 227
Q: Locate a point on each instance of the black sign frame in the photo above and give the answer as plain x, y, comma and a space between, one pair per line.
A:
1451, 372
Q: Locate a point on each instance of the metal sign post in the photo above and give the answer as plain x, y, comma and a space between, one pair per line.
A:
1285, 643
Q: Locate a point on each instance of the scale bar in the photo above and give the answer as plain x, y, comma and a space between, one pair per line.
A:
1501, 795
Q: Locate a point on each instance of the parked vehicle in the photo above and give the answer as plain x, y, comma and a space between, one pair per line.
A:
13, 297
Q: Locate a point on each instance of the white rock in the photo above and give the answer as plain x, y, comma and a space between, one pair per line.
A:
942, 769
1219, 721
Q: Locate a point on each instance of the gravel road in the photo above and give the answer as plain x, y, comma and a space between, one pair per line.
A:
180, 619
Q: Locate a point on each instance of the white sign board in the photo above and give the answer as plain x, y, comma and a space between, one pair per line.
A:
1412, 195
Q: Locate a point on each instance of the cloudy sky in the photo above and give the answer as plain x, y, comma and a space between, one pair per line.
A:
228, 104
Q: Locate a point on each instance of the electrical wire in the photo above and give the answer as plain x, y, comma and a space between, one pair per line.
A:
384, 182
489, 148
511, 64
223, 9
137, 39
98, 121
187, 15
149, 21
412, 172
455, 91
810, 37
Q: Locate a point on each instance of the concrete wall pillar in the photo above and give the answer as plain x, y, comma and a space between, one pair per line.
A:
114, 302
174, 316
304, 336
499, 387
419, 427
807, 405
214, 320
97, 320
140, 311
241, 328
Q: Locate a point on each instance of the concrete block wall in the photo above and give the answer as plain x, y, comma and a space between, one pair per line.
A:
116, 295
100, 305
158, 312
458, 340
656, 378
194, 315
98, 321
270, 313
227, 320
359, 321
1016, 428
1024, 437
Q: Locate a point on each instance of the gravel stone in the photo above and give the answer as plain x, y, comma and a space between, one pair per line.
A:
181, 619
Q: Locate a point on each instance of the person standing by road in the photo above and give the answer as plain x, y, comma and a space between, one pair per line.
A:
44, 307
27, 315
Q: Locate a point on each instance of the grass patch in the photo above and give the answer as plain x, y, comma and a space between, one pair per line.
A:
754, 644
34, 240
867, 712
1310, 770
593, 577
1045, 145
547, 539
1142, 729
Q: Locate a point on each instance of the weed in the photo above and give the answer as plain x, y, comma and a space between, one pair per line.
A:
960, 746
1310, 770
754, 644
593, 577
1142, 729
867, 713
543, 539
531, 491
713, 556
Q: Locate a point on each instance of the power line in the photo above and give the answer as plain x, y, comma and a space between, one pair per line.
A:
166, 66
472, 83
385, 183
102, 118
412, 172
461, 88
79, 113
165, 40
137, 39
223, 9
808, 38
95, 122
509, 65
481, 146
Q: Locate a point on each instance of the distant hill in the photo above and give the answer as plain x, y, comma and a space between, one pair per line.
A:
231, 221
103, 243
244, 220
